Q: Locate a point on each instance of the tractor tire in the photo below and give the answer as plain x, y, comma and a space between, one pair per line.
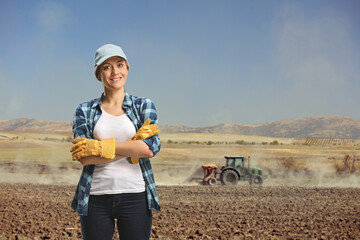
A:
256, 180
229, 177
212, 181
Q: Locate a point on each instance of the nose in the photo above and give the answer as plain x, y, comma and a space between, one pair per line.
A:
115, 71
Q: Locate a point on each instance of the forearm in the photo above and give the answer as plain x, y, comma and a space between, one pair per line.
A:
135, 149
94, 160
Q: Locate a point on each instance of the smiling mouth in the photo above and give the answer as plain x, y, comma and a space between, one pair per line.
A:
115, 79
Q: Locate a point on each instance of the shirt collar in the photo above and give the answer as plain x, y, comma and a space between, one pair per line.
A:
97, 102
127, 101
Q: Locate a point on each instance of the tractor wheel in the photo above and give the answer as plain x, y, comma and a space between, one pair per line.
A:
256, 180
212, 181
229, 177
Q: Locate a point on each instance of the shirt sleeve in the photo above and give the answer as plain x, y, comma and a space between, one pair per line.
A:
149, 111
80, 124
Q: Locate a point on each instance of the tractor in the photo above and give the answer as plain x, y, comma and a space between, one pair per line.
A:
234, 171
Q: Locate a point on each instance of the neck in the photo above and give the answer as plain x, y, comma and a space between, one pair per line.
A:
114, 97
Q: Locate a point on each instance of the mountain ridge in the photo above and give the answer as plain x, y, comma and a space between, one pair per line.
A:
331, 126
32, 124
320, 126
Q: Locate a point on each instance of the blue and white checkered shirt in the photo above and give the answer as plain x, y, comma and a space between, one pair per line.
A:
138, 110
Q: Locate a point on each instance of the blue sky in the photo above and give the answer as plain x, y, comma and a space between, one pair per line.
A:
201, 62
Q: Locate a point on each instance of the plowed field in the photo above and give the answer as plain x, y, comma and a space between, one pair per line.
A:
30, 211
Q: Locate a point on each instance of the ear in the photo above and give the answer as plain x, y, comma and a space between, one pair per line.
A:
97, 75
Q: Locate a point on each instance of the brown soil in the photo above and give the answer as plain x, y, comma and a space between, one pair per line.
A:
195, 212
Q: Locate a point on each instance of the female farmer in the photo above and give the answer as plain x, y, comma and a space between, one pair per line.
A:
114, 137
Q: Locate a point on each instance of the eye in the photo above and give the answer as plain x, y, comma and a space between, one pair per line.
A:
120, 65
106, 67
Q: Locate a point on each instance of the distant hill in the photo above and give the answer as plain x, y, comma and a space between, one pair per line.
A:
323, 127
26, 124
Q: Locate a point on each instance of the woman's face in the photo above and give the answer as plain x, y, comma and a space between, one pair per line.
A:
113, 72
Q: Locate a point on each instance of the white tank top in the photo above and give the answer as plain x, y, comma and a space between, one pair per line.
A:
119, 176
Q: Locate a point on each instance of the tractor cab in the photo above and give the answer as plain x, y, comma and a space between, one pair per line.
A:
235, 162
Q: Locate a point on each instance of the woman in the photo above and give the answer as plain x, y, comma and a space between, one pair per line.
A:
114, 137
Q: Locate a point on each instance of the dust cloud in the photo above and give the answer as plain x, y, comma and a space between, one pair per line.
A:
36, 172
68, 173
322, 177
177, 175
310, 174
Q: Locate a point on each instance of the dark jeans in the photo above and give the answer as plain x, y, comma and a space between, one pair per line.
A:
134, 219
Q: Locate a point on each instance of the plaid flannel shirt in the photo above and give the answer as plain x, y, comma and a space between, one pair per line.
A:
138, 110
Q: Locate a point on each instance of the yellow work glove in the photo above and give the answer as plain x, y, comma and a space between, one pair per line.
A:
85, 147
147, 130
